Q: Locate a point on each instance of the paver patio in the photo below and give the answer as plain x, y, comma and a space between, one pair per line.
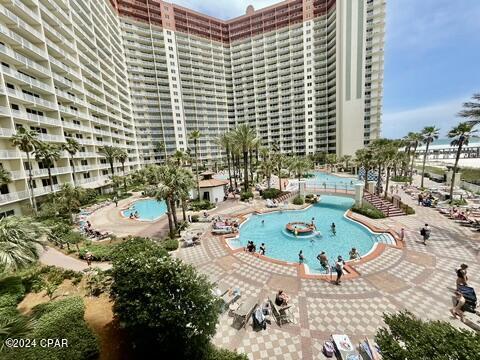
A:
418, 278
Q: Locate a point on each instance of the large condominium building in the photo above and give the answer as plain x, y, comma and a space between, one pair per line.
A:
142, 74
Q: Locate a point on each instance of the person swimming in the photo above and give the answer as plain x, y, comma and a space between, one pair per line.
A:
333, 228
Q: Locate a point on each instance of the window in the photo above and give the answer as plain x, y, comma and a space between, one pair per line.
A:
14, 107
10, 86
87, 175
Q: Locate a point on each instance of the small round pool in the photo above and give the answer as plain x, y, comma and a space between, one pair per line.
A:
147, 209
283, 245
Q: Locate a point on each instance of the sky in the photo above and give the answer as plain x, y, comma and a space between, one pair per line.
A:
432, 58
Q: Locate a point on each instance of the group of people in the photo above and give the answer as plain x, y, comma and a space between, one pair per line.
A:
89, 231
425, 199
134, 215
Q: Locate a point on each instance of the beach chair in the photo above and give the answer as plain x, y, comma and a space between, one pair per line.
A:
230, 297
344, 348
282, 314
244, 311
221, 288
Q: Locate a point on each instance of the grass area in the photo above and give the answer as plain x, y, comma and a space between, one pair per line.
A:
470, 175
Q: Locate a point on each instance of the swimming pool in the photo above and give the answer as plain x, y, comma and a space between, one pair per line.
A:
148, 209
332, 181
282, 245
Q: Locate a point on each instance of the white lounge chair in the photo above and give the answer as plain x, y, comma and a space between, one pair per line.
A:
245, 310
345, 348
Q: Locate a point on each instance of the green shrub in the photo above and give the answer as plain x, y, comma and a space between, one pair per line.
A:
215, 353
35, 278
62, 319
298, 200
170, 244
368, 211
271, 193
409, 210
98, 281
100, 252
198, 205
245, 195
195, 218
12, 292
400, 178
133, 246
165, 304
459, 202
407, 337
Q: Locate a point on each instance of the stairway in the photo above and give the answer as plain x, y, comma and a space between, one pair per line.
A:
383, 239
387, 208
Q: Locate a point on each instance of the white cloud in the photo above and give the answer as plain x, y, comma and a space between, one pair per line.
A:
443, 115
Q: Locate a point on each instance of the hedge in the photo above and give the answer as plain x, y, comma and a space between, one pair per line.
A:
198, 205
271, 193
298, 200
369, 211
170, 244
100, 252
62, 319
245, 195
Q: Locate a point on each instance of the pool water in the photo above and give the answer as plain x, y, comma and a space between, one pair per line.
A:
332, 181
282, 245
148, 209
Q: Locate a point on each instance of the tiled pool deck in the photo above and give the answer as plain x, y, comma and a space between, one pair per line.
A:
416, 277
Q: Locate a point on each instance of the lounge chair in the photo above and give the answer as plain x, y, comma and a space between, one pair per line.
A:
282, 314
369, 350
230, 297
223, 230
221, 288
344, 347
245, 310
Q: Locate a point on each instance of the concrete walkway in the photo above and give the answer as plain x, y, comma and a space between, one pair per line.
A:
51, 256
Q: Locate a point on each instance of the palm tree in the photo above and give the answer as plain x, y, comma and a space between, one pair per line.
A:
165, 192
278, 159
389, 157
26, 141
72, 146
331, 160
19, 241
299, 166
429, 133
48, 154
245, 139
461, 135
346, 161
195, 136
5, 176
110, 153
70, 198
224, 141
414, 139
365, 158
471, 110
122, 156
184, 184
180, 157
162, 146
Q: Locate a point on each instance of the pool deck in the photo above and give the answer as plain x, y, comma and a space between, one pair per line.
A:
412, 276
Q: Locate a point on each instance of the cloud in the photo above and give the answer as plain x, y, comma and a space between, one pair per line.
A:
443, 115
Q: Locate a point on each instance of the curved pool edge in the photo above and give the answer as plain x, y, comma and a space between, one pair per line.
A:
127, 206
302, 269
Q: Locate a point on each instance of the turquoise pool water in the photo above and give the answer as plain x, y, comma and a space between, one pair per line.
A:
331, 181
148, 209
282, 245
